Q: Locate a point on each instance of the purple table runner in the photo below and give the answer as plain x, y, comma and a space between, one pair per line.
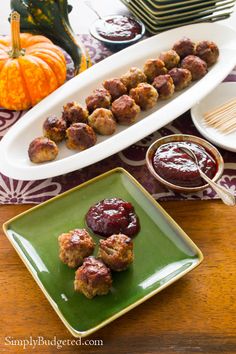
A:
132, 158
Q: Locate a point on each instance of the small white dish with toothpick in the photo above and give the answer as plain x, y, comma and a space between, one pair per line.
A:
215, 116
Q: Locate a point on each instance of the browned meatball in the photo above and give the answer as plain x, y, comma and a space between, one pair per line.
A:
153, 68
93, 278
207, 51
116, 252
133, 77
145, 95
42, 149
184, 47
170, 58
100, 98
181, 78
115, 87
80, 136
74, 113
125, 110
164, 86
74, 246
54, 128
195, 65
102, 121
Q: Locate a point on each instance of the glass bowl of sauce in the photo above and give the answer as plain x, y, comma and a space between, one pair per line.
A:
175, 168
117, 31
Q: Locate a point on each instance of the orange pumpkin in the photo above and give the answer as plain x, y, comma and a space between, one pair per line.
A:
29, 74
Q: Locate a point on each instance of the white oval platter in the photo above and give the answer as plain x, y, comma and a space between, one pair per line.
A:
14, 161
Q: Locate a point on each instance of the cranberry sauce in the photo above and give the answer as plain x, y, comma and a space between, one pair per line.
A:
177, 167
113, 216
118, 28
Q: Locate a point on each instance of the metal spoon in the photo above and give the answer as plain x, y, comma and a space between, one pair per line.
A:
226, 196
89, 4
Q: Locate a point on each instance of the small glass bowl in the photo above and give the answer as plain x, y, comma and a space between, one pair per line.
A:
112, 44
181, 138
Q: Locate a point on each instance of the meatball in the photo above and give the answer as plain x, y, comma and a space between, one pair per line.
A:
42, 149
144, 95
93, 278
207, 51
74, 113
195, 65
125, 110
133, 77
184, 47
153, 68
74, 246
100, 98
54, 128
170, 58
116, 252
164, 86
181, 78
80, 136
115, 87
102, 121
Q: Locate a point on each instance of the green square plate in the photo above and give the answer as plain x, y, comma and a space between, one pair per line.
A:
163, 252
172, 4
199, 12
176, 11
154, 29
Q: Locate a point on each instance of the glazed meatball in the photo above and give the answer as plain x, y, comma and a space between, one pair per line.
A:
164, 86
207, 51
102, 121
115, 87
100, 98
125, 110
153, 68
170, 58
181, 78
54, 128
133, 77
184, 47
74, 246
42, 149
195, 65
145, 95
80, 136
93, 278
116, 252
74, 113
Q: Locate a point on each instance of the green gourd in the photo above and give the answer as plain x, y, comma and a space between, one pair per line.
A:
50, 18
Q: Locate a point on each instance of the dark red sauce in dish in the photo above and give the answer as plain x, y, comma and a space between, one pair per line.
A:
113, 216
178, 168
118, 28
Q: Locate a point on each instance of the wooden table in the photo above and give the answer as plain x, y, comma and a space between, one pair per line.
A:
196, 314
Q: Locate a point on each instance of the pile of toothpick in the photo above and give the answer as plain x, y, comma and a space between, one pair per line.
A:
222, 118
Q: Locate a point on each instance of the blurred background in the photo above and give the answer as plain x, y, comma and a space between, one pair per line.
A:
82, 16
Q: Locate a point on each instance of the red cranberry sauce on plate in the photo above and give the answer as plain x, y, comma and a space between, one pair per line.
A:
118, 28
113, 216
177, 167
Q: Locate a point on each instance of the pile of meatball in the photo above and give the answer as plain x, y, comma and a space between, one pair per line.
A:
120, 100
94, 277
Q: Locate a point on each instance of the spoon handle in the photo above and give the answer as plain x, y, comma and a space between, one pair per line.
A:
89, 4
226, 196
